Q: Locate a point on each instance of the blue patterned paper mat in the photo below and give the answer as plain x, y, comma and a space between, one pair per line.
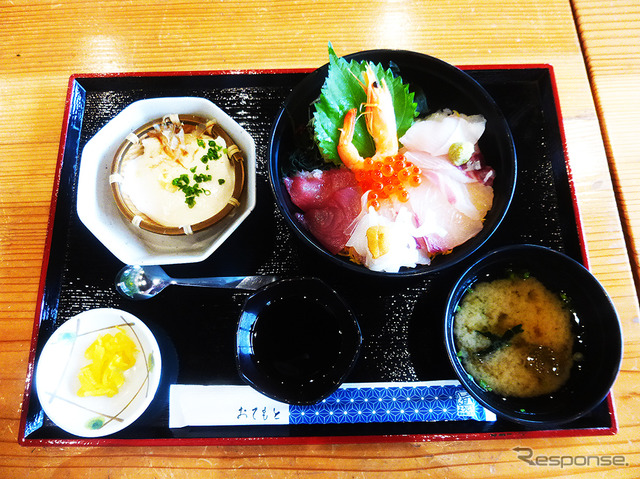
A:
410, 402
193, 405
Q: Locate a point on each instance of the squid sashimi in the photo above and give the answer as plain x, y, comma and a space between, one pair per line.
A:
386, 242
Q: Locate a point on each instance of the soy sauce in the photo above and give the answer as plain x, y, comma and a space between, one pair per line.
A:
296, 341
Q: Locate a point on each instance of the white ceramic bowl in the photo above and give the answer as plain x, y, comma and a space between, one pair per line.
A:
97, 208
62, 357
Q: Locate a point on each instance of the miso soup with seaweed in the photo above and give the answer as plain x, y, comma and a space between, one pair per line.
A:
514, 336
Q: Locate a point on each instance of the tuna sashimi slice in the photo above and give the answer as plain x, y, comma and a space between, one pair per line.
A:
330, 200
312, 189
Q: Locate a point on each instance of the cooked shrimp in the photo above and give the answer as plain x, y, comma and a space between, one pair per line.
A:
346, 149
380, 119
380, 116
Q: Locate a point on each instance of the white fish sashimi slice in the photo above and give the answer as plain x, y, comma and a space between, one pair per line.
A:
426, 161
471, 199
439, 131
456, 194
481, 196
461, 190
441, 225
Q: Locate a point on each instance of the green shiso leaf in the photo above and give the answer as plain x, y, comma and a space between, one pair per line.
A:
342, 91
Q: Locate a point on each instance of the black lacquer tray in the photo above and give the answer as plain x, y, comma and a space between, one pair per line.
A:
401, 320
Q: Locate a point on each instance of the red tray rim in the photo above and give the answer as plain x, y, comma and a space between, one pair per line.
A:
294, 440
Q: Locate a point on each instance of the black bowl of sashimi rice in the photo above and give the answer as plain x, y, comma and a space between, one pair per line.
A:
391, 163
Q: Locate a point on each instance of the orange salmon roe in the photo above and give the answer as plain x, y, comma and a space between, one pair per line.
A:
391, 177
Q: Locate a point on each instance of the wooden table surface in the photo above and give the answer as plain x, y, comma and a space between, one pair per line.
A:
610, 33
43, 43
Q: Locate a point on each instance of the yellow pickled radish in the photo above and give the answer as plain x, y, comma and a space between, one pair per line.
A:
110, 356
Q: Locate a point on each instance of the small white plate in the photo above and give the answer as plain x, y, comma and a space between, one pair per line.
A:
97, 208
62, 357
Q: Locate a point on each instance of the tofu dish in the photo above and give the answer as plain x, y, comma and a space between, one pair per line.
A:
178, 173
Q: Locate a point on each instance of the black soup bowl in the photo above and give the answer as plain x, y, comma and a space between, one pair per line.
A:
444, 86
297, 341
597, 345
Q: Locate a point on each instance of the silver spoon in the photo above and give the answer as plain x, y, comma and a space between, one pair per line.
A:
144, 282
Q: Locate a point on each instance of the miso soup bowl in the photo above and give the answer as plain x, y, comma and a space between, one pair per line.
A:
598, 337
